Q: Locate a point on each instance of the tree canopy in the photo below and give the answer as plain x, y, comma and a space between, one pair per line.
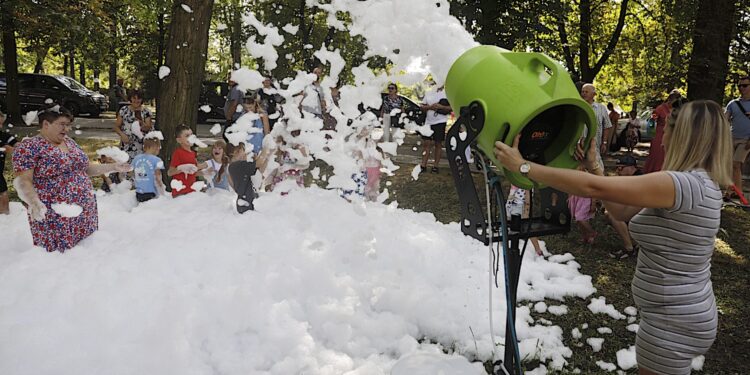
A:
633, 50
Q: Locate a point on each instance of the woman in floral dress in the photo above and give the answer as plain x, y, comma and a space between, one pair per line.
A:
52, 170
131, 140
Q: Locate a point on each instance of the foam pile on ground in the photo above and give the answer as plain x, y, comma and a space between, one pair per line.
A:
306, 283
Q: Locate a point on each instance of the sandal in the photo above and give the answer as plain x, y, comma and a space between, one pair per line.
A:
434, 170
624, 253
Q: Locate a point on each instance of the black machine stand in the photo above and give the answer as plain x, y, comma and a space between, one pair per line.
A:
553, 218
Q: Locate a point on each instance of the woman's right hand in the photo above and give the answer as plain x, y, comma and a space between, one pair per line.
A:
124, 138
37, 210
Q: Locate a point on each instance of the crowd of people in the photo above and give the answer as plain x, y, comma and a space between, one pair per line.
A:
695, 156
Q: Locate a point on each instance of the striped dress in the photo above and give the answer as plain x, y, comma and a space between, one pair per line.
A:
672, 282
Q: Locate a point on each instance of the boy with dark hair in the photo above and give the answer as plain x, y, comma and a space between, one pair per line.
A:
7, 141
147, 171
184, 165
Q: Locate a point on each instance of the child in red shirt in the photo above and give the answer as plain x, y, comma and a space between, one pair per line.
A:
184, 166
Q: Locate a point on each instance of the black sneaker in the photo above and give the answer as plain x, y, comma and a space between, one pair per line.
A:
434, 170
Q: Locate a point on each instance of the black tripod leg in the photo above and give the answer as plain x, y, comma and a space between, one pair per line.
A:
511, 364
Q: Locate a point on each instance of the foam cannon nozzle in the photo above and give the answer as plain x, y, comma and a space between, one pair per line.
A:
519, 93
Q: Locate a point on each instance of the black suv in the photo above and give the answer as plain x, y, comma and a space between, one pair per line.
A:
213, 96
35, 89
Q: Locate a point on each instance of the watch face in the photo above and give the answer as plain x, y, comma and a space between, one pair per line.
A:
525, 168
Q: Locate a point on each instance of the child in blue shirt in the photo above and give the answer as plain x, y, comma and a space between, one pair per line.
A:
147, 170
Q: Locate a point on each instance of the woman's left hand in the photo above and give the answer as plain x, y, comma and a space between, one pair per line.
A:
509, 156
122, 167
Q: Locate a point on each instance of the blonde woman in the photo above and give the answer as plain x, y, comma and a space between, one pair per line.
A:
675, 224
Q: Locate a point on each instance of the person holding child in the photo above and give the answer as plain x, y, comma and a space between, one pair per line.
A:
184, 167
260, 124
435, 105
284, 160
147, 170
633, 131
52, 169
7, 141
131, 138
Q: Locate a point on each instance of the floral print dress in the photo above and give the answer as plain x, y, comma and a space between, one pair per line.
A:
135, 146
59, 177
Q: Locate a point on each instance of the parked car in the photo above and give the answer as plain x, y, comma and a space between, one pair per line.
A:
35, 89
212, 97
647, 131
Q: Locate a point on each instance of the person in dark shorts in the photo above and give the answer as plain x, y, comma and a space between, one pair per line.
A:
436, 105
7, 141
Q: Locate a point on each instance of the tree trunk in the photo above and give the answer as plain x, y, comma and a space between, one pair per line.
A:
72, 73
162, 36
82, 73
113, 65
489, 23
589, 70
235, 38
186, 57
10, 59
41, 54
305, 32
65, 64
709, 63
584, 38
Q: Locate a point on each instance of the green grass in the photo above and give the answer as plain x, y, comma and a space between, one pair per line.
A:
730, 274
436, 194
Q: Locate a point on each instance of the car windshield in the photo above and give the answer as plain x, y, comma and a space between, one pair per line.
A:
71, 83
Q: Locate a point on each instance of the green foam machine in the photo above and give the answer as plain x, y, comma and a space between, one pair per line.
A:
497, 95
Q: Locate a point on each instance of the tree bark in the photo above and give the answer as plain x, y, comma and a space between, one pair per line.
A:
709, 63
113, 65
584, 38
489, 23
612, 44
72, 73
569, 59
41, 54
235, 38
162, 37
10, 59
82, 73
186, 57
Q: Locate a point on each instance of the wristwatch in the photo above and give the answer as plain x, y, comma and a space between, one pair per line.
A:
524, 168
